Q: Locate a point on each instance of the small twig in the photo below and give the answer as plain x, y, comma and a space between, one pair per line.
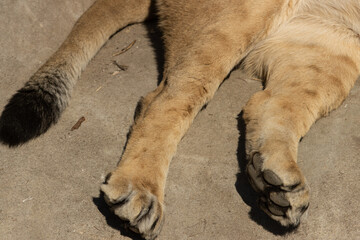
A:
27, 199
98, 89
125, 49
121, 67
115, 73
78, 124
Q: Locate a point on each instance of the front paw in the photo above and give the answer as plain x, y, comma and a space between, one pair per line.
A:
284, 194
132, 201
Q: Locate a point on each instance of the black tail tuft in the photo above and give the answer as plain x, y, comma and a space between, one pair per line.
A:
29, 113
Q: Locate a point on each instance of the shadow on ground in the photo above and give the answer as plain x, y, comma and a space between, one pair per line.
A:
112, 220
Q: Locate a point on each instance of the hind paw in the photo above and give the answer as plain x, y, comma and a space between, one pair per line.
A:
284, 195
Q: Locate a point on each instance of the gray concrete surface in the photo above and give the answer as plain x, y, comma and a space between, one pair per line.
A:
50, 186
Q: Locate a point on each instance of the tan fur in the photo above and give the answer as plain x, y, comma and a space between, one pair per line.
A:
307, 53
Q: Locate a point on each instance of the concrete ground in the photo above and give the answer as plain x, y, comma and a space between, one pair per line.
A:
50, 186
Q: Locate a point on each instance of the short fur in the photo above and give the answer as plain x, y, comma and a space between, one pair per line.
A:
306, 52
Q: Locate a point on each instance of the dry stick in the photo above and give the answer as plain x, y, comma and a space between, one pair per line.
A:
121, 67
98, 89
125, 49
78, 123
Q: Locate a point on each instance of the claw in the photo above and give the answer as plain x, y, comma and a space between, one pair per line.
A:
258, 161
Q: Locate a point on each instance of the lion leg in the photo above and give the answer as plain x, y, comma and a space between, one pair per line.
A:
301, 87
135, 189
38, 105
197, 61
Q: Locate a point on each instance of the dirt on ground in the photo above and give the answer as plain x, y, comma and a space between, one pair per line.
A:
50, 186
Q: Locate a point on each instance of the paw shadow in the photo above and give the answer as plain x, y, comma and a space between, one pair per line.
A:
114, 221
248, 195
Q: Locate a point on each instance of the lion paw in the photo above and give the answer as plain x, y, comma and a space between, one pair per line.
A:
284, 195
136, 205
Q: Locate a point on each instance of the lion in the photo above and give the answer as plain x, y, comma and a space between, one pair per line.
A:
305, 52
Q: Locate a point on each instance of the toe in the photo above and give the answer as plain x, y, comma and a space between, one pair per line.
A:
271, 178
279, 199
